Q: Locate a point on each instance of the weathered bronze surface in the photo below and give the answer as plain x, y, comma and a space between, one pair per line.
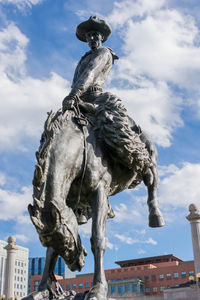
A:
89, 150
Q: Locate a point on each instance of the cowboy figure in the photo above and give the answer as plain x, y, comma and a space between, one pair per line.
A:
118, 132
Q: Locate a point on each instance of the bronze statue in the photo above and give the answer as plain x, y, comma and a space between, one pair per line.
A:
89, 150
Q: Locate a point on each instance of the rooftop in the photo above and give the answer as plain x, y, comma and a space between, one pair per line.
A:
148, 260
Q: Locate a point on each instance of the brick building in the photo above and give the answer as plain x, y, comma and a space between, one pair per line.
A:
149, 276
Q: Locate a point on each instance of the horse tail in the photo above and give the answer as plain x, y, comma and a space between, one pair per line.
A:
55, 223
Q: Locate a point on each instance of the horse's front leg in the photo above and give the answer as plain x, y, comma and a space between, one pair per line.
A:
98, 244
48, 275
151, 181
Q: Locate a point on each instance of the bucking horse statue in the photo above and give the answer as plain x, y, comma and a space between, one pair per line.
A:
89, 150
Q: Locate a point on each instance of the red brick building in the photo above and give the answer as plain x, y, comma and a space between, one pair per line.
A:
150, 275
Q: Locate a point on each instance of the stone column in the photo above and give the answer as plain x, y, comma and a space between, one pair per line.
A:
10, 268
194, 219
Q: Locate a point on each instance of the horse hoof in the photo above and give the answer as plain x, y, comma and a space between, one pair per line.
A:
156, 221
97, 292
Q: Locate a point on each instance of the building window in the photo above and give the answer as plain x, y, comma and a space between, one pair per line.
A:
68, 287
120, 289
80, 285
162, 288
155, 289
168, 275
175, 275
125, 279
113, 289
153, 277
146, 278
191, 273
132, 278
147, 290
127, 288
86, 284
40, 266
183, 274
74, 286
161, 276
134, 288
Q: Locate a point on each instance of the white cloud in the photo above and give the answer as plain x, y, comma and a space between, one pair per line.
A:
161, 43
151, 241
181, 187
24, 219
154, 107
166, 170
131, 241
128, 214
141, 251
14, 205
12, 51
85, 229
109, 244
25, 99
2, 179
160, 55
21, 3
21, 237
125, 10
163, 46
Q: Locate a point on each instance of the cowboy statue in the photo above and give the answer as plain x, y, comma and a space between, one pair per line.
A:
90, 150
117, 129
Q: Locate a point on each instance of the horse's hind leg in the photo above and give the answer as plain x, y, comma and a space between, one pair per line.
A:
98, 243
150, 179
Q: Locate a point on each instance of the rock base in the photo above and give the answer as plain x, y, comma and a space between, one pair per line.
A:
45, 295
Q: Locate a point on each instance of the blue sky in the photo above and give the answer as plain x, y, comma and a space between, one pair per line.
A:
158, 79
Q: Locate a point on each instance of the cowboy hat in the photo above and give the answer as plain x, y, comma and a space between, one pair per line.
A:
93, 24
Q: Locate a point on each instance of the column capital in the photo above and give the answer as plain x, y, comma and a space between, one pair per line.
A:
11, 244
194, 213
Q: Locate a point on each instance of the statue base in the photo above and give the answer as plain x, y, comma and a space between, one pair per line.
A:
45, 295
